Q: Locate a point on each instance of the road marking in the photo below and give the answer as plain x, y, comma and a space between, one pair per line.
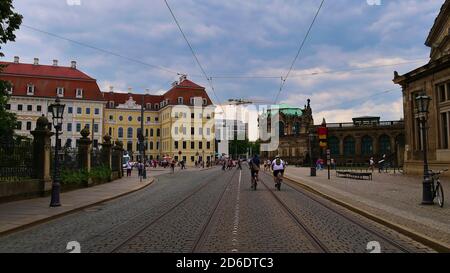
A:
236, 217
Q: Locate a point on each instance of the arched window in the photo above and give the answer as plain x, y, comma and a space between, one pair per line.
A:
333, 142
296, 128
385, 144
349, 146
367, 145
151, 132
281, 128
130, 132
120, 132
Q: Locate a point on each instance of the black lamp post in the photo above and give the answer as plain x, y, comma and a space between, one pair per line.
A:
313, 168
57, 111
423, 103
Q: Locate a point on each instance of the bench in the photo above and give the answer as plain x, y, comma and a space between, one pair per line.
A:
354, 175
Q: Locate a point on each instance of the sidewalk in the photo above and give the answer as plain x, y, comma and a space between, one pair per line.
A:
393, 198
19, 214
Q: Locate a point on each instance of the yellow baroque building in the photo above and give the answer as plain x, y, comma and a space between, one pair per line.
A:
178, 124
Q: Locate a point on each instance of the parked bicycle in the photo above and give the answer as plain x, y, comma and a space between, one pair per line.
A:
438, 190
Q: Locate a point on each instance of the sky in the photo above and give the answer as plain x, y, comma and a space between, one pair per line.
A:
239, 38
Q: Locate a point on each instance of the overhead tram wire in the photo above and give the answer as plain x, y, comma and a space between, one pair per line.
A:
104, 50
337, 71
299, 50
208, 79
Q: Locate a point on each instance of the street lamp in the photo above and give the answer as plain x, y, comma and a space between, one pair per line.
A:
57, 111
313, 169
423, 103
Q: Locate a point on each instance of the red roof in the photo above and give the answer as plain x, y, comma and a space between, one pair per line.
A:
46, 79
44, 71
185, 89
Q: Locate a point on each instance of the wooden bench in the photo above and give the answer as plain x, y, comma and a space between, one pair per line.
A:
354, 175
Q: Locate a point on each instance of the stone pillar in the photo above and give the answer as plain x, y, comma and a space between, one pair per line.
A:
84, 152
42, 154
118, 148
107, 151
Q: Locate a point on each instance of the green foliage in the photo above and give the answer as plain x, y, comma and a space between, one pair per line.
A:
71, 177
9, 21
241, 147
80, 177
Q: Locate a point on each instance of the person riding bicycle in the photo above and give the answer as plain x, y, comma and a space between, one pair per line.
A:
278, 166
255, 163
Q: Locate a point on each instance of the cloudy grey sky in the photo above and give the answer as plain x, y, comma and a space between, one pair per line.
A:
240, 38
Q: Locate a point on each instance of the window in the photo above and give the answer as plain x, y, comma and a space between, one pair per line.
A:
349, 146
28, 126
333, 143
151, 145
130, 133
385, 144
138, 132
157, 145
367, 145
208, 131
130, 118
184, 145
95, 127
29, 107
192, 159
180, 100
158, 132
79, 93
19, 125
78, 127
148, 119
208, 145
139, 119
88, 111
281, 127
192, 115
156, 119
70, 110
192, 131
60, 92
88, 126
69, 127
441, 93
148, 106
200, 145
146, 132
9, 89
120, 132
30, 89
205, 102
121, 118
19, 107
79, 110
97, 111
39, 108
111, 118
445, 130
191, 100
156, 106
200, 131
110, 131
111, 104
151, 132
176, 145
192, 145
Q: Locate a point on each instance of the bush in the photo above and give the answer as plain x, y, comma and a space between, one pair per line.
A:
101, 174
70, 177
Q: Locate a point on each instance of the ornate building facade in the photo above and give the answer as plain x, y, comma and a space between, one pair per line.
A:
433, 80
184, 133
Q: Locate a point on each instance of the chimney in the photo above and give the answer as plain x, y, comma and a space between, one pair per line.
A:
36, 61
111, 88
147, 91
55, 62
16, 59
73, 64
130, 90
175, 83
183, 77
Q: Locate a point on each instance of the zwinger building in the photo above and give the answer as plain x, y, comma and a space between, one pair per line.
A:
433, 80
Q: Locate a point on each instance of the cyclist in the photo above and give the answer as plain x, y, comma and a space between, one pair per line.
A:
278, 166
255, 163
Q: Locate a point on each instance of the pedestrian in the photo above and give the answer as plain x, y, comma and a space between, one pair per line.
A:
172, 166
319, 164
333, 164
371, 164
129, 168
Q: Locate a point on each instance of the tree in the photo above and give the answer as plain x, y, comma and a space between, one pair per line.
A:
9, 22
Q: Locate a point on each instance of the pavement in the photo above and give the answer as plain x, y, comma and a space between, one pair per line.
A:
394, 199
24, 213
211, 211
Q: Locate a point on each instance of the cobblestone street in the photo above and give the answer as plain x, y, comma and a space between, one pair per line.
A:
212, 211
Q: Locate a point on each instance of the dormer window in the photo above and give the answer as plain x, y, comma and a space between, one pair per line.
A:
79, 93
60, 92
111, 104
192, 101
180, 100
9, 89
30, 89
156, 106
148, 106
205, 101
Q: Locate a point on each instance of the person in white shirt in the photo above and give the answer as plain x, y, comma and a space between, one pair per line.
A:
278, 166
